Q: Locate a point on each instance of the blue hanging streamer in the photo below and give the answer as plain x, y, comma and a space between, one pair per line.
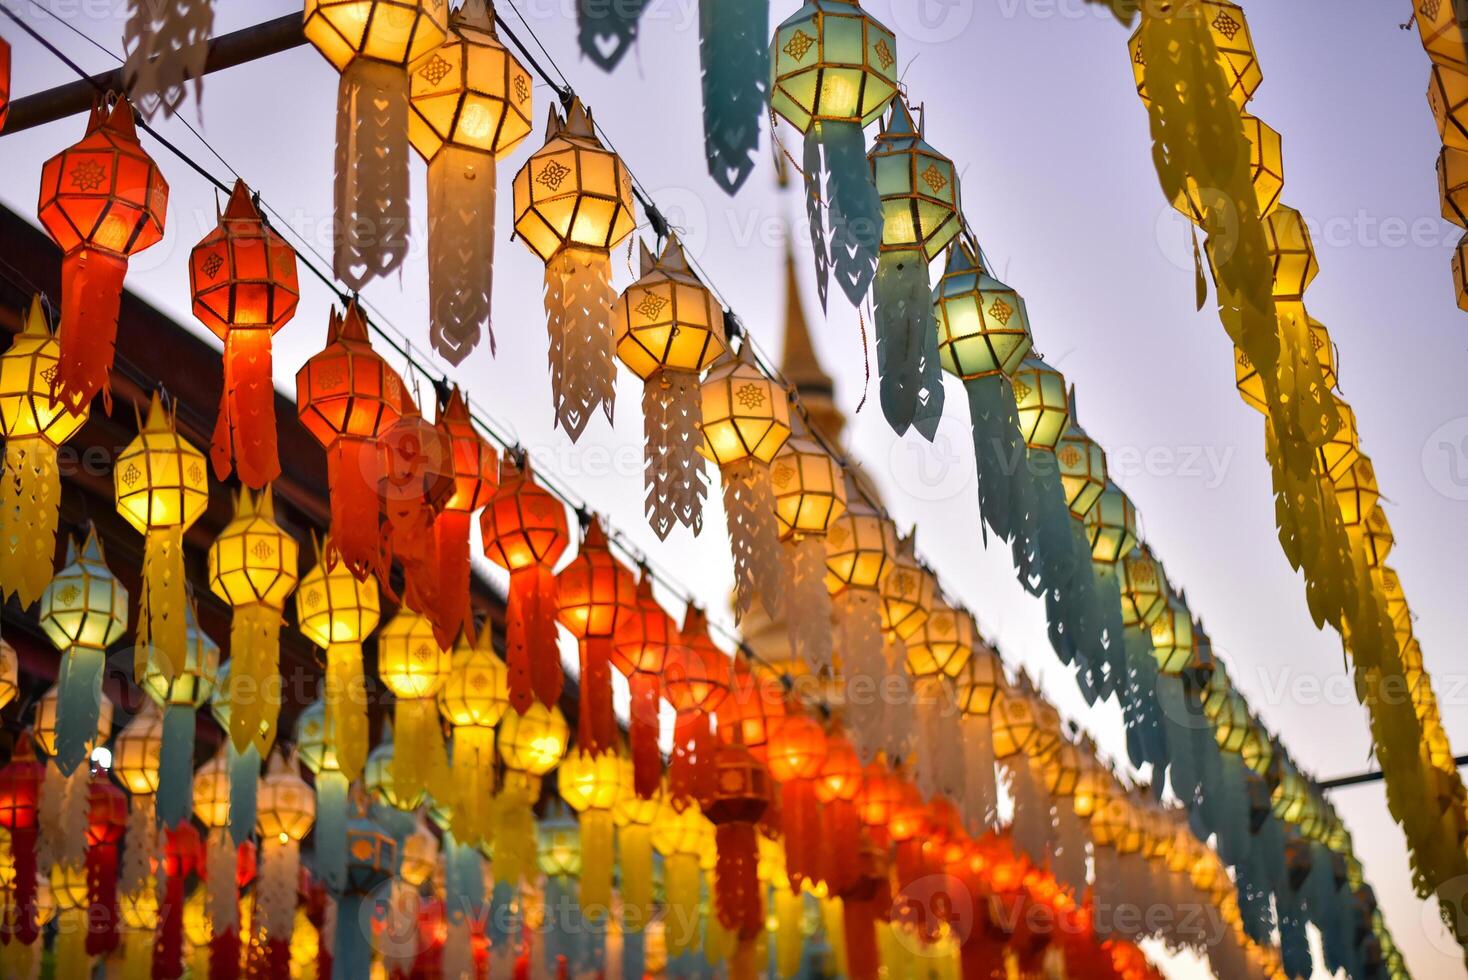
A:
331, 827
502, 924
176, 765
854, 209
634, 952
351, 954
907, 344
606, 31
556, 941
815, 220
999, 452
78, 706
244, 776
734, 50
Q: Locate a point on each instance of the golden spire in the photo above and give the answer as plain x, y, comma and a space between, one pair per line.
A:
800, 365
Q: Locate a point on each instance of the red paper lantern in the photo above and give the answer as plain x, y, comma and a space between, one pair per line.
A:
696, 684
524, 532
797, 754
475, 468
753, 711
243, 277
102, 200
738, 796
596, 592
20, 797
640, 650
106, 823
417, 479
347, 397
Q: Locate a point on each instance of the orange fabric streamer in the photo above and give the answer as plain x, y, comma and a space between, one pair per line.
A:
696, 683
597, 593
474, 467
640, 652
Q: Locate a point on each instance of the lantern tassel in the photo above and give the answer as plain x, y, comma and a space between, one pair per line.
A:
221, 860
597, 853
596, 721
859, 924
473, 772
162, 612
244, 435
91, 299
692, 745
681, 875
20, 912
176, 765
70, 948
168, 947
980, 796
345, 698
352, 468
30, 500
1000, 453
634, 857
647, 761
607, 31
1146, 739
451, 538
579, 300
275, 890
531, 647
330, 830
810, 631
244, 777
420, 760
814, 197
101, 865
735, 54
754, 537
461, 195
673, 468
854, 208
907, 344
79, 705
800, 819
371, 189
254, 678
736, 882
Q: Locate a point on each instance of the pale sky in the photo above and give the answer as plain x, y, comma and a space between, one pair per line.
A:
1034, 100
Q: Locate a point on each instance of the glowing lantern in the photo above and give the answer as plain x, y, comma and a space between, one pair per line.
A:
180, 697
372, 43
746, 421
476, 476
102, 200
83, 612
810, 494
1172, 636
573, 205
1291, 251
1230, 32
1293, 318
531, 745
412, 665
473, 700
696, 684
918, 187
470, 102
833, 70
1378, 538
33, 427
20, 795
243, 278
1111, 525
1082, 466
1341, 451
1143, 588
640, 650
161, 484
286, 813
796, 757
591, 784
836, 787
669, 330
1356, 493
524, 532
1013, 722
416, 478
943, 645
983, 329
1044, 409
860, 547
753, 711
596, 592
908, 592
252, 566
739, 792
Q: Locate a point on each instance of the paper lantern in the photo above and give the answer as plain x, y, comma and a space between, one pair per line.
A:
347, 397
1111, 525
473, 699
1172, 636
796, 758
524, 532
1341, 451
337, 611
1291, 251
669, 330
530, 744
860, 547
161, 484
533, 742
918, 187
590, 785
1293, 318
643, 642
595, 593
245, 288
180, 698
1044, 408
573, 205
696, 683
1144, 587
102, 200
84, 610
983, 328
833, 71
1013, 722
137, 751
287, 810
252, 566
470, 101
810, 493
416, 479
34, 427
372, 44
908, 592
943, 644
1082, 466
739, 793
475, 467
20, 795
746, 421
412, 665
753, 710
1229, 30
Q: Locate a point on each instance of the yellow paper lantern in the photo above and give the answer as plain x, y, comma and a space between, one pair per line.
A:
136, 752
908, 592
746, 416
1291, 251
533, 742
1235, 49
412, 665
943, 645
473, 700
1111, 525
590, 785
1143, 587
918, 187
810, 491
983, 327
1012, 720
1082, 466
860, 547
1292, 314
1447, 95
1044, 409
211, 792
286, 807
978, 683
1340, 453
1173, 645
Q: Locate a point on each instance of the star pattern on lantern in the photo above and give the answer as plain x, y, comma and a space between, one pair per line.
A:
313, 599
1021, 390
131, 475
1430, 8
49, 375
213, 264
69, 595
799, 45
263, 550
934, 178
1070, 456
751, 396
552, 174
884, 53
88, 175
652, 304
421, 653
1144, 573
782, 475
903, 582
1226, 25
436, 70
522, 88
1244, 361
195, 474
331, 377
1000, 310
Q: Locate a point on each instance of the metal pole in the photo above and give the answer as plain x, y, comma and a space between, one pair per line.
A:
243, 46
1371, 777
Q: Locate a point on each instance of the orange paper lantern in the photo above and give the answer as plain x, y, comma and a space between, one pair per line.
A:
595, 593
696, 684
640, 650
475, 470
